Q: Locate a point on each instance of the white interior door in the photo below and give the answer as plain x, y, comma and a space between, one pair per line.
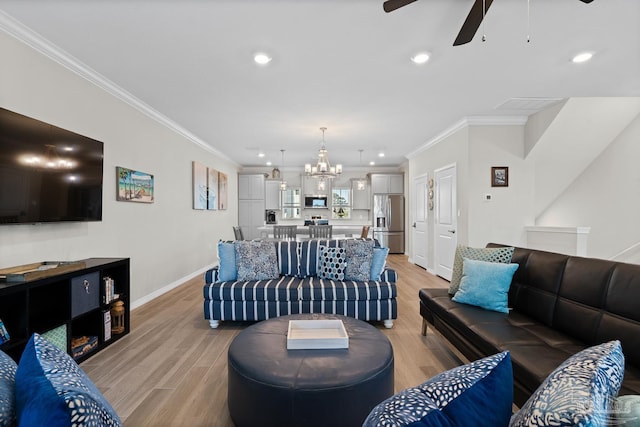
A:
446, 214
419, 226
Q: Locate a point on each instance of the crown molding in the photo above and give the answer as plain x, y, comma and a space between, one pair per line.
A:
24, 34
466, 122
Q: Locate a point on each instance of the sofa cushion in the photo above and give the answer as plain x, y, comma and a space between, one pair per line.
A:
477, 394
227, 269
316, 289
480, 254
308, 255
287, 253
578, 392
285, 288
378, 262
485, 284
256, 260
331, 263
7, 390
359, 257
52, 390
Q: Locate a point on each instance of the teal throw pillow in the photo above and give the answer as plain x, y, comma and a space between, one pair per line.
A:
479, 394
52, 390
7, 390
378, 262
579, 392
485, 284
227, 261
503, 255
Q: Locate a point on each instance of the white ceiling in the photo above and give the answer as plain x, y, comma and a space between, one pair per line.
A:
343, 64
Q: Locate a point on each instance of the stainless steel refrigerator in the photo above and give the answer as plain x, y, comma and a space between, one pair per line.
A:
388, 221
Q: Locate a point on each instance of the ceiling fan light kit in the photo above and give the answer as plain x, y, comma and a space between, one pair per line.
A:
471, 24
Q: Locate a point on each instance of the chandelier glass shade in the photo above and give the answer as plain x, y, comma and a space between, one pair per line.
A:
322, 169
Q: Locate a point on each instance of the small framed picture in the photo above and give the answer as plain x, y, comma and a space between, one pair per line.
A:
499, 176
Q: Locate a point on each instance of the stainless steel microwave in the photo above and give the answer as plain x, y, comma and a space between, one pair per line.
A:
315, 202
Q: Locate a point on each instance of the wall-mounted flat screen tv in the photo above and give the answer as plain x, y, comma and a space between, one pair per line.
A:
47, 174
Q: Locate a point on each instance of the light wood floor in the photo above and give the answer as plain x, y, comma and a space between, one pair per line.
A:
171, 370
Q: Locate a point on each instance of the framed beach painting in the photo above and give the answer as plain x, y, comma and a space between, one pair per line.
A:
200, 185
212, 189
223, 190
134, 186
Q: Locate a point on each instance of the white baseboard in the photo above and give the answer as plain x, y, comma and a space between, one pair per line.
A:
153, 295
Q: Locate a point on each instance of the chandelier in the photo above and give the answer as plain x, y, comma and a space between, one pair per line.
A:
322, 169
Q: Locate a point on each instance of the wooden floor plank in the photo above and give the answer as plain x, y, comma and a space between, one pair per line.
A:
171, 370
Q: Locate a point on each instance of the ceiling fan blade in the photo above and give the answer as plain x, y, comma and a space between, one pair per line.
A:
391, 5
472, 23
586, 1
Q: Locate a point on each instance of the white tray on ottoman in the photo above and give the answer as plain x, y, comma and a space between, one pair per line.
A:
316, 334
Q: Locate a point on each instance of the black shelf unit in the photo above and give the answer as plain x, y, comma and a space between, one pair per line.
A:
51, 302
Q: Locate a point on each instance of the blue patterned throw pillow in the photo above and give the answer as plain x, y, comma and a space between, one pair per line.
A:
479, 394
7, 390
359, 258
579, 392
52, 390
256, 260
331, 263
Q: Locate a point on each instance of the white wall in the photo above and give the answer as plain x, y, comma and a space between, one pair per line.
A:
605, 197
167, 241
474, 149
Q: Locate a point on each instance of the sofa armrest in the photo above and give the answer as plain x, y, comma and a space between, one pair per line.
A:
389, 275
211, 276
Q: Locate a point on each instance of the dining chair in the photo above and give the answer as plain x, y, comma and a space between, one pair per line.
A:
237, 232
320, 231
365, 231
284, 232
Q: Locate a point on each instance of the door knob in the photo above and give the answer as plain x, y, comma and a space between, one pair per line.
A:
414, 225
452, 231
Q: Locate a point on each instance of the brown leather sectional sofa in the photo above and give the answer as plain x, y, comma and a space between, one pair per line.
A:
559, 304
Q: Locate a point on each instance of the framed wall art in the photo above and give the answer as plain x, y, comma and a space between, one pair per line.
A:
206, 187
134, 186
223, 190
499, 176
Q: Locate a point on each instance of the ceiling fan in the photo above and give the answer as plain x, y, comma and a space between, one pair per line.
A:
471, 24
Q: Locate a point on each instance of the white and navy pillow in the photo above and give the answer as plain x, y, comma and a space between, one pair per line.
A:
479, 394
579, 392
256, 260
287, 252
52, 390
359, 258
308, 256
7, 390
331, 263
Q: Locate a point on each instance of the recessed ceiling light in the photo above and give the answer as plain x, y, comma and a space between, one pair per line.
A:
420, 58
260, 154
381, 154
262, 58
582, 57
372, 163
269, 163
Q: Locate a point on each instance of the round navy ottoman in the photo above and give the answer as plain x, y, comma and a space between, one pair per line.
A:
272, 386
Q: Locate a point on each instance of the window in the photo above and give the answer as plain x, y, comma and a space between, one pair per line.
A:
291, 203
341, 203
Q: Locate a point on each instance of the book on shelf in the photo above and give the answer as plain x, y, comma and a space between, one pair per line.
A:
106, 316
109, 290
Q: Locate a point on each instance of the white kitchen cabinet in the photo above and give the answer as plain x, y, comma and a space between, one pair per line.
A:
387, 183
251, 187
251, 204
312, 186
360, 198
272, 194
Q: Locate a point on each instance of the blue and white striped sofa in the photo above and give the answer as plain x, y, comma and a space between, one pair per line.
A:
299, 290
